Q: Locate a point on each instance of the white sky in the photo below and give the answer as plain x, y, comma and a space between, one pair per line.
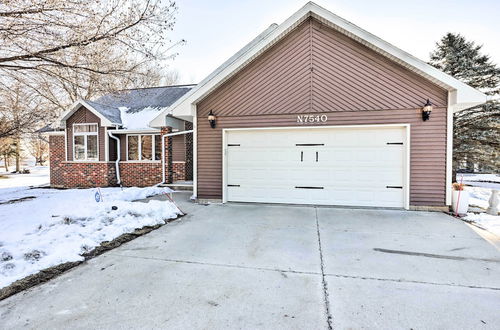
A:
215, 30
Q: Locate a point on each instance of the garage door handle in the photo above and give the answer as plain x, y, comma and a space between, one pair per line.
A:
394, 187
301, 156
316, 156
309, 144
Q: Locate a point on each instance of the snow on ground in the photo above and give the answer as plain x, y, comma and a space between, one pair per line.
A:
39, 175
478, 196
489, 222
479, 187
57, 226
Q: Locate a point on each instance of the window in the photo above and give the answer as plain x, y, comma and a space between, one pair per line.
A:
85, 142
140, 147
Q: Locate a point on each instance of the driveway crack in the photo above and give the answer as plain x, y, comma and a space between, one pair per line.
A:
289, 271
323, 278
413, 281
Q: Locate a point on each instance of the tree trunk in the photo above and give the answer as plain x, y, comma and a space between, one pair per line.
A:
18, 155
6, 163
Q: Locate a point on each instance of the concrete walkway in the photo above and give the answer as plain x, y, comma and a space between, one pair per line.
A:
278, 267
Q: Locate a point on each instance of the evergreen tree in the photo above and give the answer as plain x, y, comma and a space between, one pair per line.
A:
476, 134
463, 60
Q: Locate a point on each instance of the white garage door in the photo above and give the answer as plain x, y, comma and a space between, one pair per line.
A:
324, 166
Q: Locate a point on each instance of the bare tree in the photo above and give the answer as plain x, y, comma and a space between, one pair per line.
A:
62, 50
20, 110
38, 148
7, 151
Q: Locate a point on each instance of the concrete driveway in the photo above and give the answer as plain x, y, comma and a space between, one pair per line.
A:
278, 267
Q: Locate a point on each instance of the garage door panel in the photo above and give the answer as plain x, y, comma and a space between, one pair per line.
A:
352, 167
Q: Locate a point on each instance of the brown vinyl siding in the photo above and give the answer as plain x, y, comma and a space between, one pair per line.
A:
84, 116
316, 69
112, 149
123, 146
179, 148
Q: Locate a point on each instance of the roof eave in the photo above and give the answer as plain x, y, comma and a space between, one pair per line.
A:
464, 94
75, 106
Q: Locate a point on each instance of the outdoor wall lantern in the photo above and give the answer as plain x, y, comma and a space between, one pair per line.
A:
211, 119
426, 110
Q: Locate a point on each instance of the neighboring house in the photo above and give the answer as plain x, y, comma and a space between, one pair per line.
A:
319, 111
98, 139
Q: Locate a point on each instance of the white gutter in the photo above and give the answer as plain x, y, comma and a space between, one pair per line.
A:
135, 131
117, 162
163, 151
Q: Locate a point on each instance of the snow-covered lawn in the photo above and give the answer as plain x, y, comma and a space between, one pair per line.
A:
50, 226
479, 197
38, 176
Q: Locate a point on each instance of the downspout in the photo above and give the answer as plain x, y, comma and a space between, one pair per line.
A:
117, 162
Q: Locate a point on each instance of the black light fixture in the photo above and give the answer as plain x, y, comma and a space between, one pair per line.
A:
211, 119
426, 110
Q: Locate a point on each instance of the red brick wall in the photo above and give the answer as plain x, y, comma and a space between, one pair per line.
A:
70, 174
140, 174
75, 174
179, 171
189, 152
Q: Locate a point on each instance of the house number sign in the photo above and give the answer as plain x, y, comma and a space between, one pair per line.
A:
311, 119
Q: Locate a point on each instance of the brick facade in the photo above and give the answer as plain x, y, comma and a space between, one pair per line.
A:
69, 174
179, 171
189, 152
77, 174
168, 154
140, 174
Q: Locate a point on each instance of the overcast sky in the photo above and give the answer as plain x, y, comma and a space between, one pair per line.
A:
215, 30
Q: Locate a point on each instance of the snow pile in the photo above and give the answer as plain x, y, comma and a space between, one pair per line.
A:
138, 119
59, 225
479, 196
486, 221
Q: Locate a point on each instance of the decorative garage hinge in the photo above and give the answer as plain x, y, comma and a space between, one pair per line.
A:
395, 143
306, 187
233, 145
233, 185
394, 187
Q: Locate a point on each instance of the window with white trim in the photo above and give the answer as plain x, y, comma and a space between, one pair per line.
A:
85, 142
143, 147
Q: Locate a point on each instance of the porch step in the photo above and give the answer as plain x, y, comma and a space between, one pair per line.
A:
180, 185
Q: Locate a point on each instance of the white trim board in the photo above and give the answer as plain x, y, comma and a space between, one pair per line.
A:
407, 128
462, 95
65, 115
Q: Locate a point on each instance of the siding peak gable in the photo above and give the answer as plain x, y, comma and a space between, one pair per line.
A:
461, 95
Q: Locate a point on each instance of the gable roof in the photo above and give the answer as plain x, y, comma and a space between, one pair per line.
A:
461, 95
131, 108
141, 98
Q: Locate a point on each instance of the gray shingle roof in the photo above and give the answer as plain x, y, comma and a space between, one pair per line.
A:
111, 113
137, 100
